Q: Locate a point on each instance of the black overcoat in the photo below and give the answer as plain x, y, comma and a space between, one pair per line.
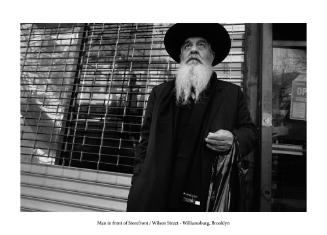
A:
152, 184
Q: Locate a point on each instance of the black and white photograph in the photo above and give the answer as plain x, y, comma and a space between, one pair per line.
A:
176, 117
185, 117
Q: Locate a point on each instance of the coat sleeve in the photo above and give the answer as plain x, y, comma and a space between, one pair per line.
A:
245, 131
141, 148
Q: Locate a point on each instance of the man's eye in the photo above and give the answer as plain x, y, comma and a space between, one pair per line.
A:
202, 44
186, 46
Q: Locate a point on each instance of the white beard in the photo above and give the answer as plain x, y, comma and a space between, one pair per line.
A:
191, 78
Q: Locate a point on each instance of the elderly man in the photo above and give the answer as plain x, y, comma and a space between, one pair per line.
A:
195, 130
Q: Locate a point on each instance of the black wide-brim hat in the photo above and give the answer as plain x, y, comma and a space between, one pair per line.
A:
214, 33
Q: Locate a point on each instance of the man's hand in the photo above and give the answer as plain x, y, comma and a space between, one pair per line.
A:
220, 141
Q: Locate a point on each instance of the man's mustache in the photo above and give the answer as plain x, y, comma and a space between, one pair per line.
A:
193, 57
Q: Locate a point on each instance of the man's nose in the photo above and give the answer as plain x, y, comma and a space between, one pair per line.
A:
194, 51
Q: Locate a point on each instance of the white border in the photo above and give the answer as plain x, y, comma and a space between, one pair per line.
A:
15, 12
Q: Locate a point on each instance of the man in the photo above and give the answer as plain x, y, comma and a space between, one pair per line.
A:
195, 130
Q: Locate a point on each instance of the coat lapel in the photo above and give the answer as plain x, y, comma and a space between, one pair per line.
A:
216, 101
166, 103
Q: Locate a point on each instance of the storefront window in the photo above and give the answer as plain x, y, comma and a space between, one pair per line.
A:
289, 96
289, 129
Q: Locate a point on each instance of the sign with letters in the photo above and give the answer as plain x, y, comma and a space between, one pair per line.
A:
299, 98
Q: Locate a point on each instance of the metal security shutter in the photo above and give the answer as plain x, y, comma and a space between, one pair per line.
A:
84, 89
49, 58
119, 67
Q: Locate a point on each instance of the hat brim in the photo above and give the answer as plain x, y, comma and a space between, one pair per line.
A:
214, 33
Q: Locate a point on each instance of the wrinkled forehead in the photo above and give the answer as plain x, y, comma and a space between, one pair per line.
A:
195, 40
